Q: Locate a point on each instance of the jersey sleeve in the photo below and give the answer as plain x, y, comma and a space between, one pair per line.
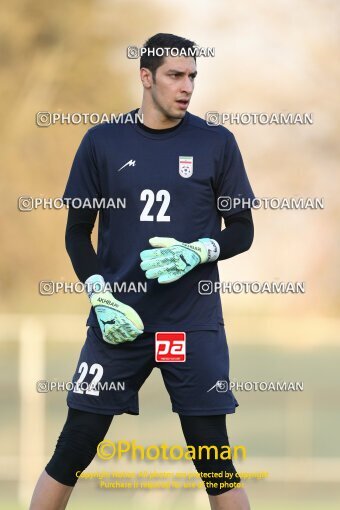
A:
83, 181
233, 190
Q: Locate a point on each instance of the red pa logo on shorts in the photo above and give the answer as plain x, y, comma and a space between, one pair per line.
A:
170, 346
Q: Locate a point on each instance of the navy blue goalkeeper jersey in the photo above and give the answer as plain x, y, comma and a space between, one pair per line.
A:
165, 185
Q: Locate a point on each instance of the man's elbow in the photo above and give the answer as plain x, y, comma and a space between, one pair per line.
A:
68, 241
248, 239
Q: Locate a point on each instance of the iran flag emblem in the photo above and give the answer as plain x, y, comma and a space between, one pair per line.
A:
186, 166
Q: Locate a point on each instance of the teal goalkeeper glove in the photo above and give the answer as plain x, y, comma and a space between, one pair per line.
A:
118, 322
171, 259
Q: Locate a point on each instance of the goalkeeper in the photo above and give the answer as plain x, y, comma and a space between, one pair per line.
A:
169, 172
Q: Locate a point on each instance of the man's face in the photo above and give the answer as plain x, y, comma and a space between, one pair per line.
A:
173, 86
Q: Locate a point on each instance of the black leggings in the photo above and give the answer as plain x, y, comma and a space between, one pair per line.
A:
211, 431
77, 446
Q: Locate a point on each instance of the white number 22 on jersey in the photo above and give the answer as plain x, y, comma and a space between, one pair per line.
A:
148, 196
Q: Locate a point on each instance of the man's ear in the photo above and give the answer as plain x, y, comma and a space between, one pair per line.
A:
146, 77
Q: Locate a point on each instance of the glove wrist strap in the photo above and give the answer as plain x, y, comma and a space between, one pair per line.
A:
94, 284
212, 247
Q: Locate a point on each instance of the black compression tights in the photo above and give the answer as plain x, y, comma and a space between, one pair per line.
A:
77, 446
211, 431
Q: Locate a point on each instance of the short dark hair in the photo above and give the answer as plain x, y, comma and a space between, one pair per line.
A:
152, 62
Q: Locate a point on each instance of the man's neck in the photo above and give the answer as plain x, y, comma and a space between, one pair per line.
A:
154, 120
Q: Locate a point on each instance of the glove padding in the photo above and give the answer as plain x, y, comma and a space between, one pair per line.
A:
118, 322
171, 259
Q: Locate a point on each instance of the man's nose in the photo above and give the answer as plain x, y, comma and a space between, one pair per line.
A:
187, 85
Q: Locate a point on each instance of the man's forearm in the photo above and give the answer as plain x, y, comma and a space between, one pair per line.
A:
80, 223
238, 235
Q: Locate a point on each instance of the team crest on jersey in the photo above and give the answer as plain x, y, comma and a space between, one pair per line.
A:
186, 166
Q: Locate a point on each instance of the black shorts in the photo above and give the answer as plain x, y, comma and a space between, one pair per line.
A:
108, 377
